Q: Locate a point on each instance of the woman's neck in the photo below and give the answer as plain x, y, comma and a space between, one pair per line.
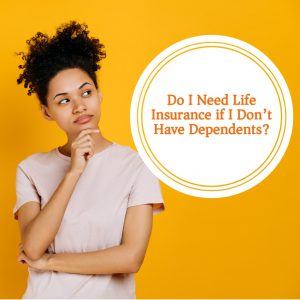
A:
100, 144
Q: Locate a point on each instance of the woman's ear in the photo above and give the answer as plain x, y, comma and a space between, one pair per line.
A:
45, 113
100, 95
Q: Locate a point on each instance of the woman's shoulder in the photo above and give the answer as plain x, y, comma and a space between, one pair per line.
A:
128, 155
37, 158
126, 151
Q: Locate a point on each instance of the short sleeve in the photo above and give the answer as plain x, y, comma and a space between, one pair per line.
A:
146, 190
25, 191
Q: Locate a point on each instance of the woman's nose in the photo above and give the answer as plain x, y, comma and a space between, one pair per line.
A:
79, 105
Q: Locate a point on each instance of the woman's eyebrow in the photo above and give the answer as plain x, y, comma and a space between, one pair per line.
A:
65, 93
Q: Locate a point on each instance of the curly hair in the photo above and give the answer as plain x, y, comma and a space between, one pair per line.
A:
70, 47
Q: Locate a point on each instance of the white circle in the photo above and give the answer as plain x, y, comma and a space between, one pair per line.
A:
247, 111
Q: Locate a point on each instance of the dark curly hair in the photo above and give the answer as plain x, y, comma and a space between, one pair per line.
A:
70, 47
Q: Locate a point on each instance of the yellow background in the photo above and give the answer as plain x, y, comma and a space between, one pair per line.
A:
244, 246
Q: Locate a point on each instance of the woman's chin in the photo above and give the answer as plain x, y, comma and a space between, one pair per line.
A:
86, 126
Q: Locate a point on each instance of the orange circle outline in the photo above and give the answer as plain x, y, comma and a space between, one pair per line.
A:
266, 74
148, 85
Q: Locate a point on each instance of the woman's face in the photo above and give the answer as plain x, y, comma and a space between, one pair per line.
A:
72, 93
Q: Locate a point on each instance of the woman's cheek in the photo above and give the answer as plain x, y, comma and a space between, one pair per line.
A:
64, 121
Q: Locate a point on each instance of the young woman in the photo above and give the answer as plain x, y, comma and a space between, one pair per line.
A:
84, 209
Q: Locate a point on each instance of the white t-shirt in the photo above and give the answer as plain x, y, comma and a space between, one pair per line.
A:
114, 179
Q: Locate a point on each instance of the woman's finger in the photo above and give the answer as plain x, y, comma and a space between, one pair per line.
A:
22, 259
21, 247
83, 139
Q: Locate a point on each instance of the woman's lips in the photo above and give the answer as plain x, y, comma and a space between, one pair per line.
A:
84, 120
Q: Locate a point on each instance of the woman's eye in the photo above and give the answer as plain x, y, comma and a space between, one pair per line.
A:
62, 101
85, 93
88, 92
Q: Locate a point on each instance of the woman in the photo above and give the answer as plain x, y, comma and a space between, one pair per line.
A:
84, 209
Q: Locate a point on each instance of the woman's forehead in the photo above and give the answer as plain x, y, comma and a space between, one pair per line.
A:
68, 80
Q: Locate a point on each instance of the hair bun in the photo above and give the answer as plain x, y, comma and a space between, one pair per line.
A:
72, 39
70, 47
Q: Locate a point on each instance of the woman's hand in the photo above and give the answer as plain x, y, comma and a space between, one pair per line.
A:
82, 149
39, 265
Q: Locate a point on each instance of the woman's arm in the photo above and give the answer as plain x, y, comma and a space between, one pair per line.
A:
125, 258
41, 230
38, 228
